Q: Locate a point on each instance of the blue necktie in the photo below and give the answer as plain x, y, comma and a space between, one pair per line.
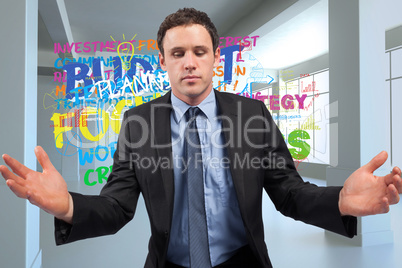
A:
197, 224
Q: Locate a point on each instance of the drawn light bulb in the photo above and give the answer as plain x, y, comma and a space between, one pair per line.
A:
125, 54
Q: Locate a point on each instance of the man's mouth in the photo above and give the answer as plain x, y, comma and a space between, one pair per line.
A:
191, 78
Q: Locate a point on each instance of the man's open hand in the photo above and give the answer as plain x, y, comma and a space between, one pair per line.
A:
47, 190
365, 194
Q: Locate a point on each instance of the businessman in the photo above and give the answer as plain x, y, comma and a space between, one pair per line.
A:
212, 154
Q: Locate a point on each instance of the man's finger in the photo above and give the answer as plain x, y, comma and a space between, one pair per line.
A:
8, 175
17, 189
396, 170
394, 179
43, 158
376, 162
16, 166
384, 206
393, 194
398, 183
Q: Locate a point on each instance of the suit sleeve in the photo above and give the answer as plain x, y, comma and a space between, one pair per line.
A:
298, 199
113, 208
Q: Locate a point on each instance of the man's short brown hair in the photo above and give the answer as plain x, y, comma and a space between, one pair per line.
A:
187, 16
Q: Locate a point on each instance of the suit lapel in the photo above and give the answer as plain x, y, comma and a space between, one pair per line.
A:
162, 142
230, 110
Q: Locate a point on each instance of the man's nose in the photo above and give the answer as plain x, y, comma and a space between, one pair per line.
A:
189, 63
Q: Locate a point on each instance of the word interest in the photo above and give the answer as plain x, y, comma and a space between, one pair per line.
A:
238, 40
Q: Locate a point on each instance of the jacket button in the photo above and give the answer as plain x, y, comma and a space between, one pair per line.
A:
166, 234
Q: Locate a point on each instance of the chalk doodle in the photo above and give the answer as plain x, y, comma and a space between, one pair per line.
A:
91, 94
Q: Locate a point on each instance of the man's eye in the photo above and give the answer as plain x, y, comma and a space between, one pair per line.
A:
178, 54
200, 53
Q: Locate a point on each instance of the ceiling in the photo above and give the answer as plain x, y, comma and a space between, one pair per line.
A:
304, 36
275, 21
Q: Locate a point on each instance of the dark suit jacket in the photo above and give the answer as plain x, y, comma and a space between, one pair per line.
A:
259, 159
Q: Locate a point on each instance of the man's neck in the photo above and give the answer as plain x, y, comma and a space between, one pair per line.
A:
194, 100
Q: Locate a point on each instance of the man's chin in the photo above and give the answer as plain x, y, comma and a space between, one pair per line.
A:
194, 93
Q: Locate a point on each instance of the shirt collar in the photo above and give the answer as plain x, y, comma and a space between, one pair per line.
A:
207, 106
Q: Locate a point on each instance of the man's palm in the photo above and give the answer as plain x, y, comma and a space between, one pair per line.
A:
47, 190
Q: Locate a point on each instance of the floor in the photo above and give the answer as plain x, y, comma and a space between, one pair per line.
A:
295, 244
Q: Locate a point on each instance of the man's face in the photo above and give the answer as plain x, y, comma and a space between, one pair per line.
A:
189, 60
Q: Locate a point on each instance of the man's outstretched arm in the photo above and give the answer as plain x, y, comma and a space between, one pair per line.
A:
365, 194
47, 190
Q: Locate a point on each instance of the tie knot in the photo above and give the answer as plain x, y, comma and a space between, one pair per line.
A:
192, 113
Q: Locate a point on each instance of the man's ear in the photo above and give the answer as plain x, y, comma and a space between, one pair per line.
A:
217, 57
162, 62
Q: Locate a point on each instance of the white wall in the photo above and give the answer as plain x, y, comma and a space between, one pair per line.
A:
19, 221
375, 18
